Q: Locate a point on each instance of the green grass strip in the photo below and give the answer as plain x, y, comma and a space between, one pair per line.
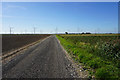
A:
101, 69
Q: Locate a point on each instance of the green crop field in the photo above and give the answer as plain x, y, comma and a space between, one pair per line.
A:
99, 52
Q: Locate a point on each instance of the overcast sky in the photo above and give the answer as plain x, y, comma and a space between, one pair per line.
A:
49, 17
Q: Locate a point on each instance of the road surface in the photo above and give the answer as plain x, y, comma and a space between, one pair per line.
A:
44, 60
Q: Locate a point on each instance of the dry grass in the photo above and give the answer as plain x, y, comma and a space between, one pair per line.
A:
90, 35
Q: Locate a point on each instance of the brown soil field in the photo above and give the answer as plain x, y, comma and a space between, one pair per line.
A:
14, 41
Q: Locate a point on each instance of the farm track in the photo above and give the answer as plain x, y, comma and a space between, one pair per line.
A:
46, 59
15, 52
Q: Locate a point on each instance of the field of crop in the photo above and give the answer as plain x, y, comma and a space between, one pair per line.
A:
100, 52
15, 41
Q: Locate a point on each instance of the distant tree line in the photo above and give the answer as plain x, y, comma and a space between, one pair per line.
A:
89, 33
78, 33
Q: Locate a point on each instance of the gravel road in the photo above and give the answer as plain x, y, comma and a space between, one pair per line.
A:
44, 60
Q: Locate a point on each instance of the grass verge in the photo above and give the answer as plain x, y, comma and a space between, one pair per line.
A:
101, 69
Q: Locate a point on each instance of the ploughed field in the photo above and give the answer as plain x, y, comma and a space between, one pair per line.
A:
15, 41
99, 52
